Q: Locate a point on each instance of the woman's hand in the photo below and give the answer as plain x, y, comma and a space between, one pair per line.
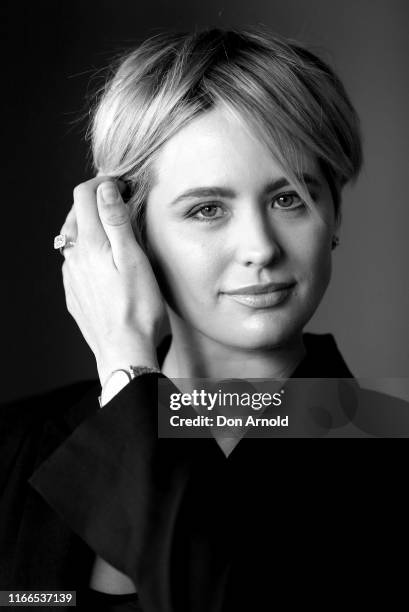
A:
110, 288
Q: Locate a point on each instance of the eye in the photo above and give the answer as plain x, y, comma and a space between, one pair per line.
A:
288, 201
207, 212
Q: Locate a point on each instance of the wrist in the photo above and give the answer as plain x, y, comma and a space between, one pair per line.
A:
120, 378
124, 353
105, 369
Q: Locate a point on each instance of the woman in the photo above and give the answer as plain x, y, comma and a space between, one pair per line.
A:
220, 158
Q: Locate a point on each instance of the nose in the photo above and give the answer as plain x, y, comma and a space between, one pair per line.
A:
256, 240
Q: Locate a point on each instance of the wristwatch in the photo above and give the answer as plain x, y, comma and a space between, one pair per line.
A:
119, 378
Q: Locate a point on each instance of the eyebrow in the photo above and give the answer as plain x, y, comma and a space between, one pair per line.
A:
225, 192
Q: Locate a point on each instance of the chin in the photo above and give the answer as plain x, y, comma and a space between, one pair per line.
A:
265, 333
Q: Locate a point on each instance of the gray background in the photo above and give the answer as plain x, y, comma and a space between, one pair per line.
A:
53, 49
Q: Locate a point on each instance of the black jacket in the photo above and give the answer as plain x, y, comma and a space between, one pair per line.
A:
196, 531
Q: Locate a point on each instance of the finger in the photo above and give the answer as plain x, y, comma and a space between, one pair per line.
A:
70, 228
89, 225
67, 288
116, 222
71, 302
121, 183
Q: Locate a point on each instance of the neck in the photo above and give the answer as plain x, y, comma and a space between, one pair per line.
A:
194, 355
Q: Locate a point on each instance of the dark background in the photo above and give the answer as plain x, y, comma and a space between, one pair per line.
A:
52, 49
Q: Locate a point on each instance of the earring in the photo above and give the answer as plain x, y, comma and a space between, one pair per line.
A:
335, 242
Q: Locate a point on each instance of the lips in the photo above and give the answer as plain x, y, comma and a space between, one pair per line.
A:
262, 296
259, 289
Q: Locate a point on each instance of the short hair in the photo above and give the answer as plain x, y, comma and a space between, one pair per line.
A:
291, 97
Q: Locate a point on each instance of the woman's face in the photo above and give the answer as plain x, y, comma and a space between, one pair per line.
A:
221, 217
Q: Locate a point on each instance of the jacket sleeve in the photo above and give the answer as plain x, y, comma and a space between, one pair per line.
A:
36, 548
138, 500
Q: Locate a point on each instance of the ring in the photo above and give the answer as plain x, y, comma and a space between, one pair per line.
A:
62, 241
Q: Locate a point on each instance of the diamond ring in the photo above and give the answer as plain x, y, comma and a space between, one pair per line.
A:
62, 241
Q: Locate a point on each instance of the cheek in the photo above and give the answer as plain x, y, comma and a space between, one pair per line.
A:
312, 256
187, 270
320, 269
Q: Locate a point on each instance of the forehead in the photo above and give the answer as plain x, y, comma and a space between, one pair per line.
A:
218, 148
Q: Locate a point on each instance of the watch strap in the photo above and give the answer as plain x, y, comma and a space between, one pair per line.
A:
132, 372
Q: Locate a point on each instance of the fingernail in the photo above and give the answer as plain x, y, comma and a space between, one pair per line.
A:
109, 192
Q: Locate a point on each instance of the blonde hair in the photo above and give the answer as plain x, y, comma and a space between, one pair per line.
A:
289, 96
